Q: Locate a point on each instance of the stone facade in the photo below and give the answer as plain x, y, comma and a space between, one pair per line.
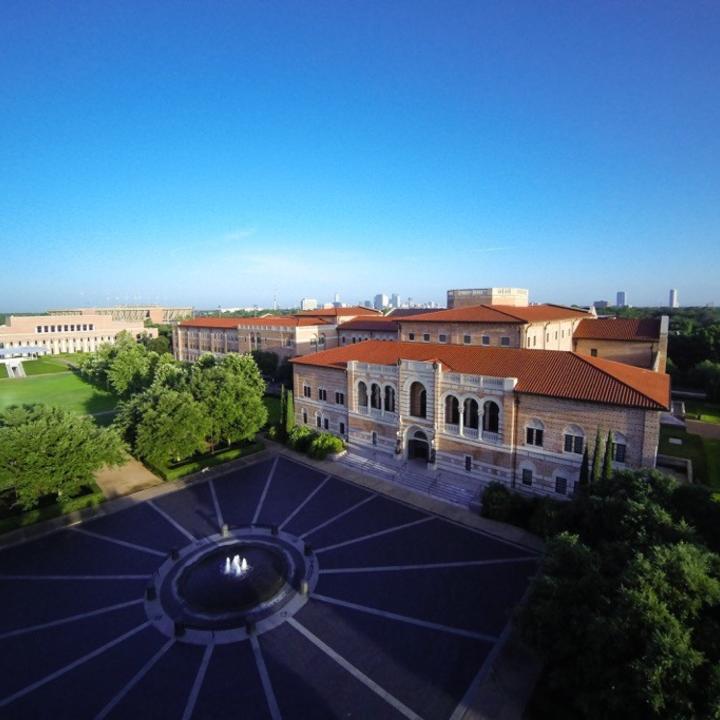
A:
67, 333
484, 439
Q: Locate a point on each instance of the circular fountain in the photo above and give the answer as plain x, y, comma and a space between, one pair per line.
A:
223, 588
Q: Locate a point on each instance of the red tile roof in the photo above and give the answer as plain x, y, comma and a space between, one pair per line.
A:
501, 314
267, 321
340, 312
619, 329
551, 373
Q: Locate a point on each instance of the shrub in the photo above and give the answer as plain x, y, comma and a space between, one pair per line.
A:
325, 444
536, 514
300, 438
496, 502
273, 432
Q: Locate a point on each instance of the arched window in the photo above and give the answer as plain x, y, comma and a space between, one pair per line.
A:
389, 398
362, 394
491, 417
574, 440
452, 410
534, 432
418, 400
619, 447
471, 414
375, 397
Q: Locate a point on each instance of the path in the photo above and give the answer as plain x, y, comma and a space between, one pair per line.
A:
126, 479
711, 431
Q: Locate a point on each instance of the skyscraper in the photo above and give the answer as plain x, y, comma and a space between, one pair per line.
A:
674, 302
381, 301
621, 299
395, 300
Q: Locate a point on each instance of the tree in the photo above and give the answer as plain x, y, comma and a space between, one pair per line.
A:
50, 451
172, 425
267, 362
289, 412
596, 474
584, 479
608, 459
283, 409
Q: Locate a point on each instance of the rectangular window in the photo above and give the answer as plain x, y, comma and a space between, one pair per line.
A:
307, 391
468, 463
467, 339
38, 328
374, 438
322, 394
505, 341
442, 338
485, 339
561, 485
46, 328
618, 452
318, 421
344, 339
339, 398
326, 424
426, 337
65, 328
574, 444
304, 416
534, 436
593, 352
52, 328
526, 477
342, 428
411, 336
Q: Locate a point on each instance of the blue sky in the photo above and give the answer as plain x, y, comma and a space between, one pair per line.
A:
214, 153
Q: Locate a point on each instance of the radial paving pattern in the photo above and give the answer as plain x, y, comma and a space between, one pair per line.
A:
404, 616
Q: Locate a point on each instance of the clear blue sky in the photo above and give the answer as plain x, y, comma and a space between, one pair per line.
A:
214, 152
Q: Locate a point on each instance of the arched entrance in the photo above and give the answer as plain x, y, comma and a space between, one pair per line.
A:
418, 446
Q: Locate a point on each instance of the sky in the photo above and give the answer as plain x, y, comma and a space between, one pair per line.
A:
224, 153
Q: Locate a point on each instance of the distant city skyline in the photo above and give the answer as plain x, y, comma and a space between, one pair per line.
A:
187, 156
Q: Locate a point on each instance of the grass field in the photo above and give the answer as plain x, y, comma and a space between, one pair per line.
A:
3, 371
703, 411
44, 366
272, 404
65, 389
704, 453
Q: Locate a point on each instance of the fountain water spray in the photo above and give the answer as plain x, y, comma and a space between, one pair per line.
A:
236, 567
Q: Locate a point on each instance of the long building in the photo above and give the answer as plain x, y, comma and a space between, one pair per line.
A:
157, 314
67, 333
518, 416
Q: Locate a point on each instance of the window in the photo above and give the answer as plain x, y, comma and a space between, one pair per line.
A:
491, 417
426, 337
468, 463
342, 428
375, 397
411, 336
467, 339
574, 440
593, 352
52, 328
471, 415
374, 438
362, 394
339, 398
318, 421
561, 485
65, 328
534, 340
442, 338
527, 476
619, 448
46, 328
322, 394
38, 328
505, 341
485, 339
534, 433
307, 391
418, 400
326, 424
84, 327
389, 399
452, 410
304, 417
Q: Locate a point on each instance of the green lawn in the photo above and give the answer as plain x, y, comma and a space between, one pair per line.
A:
66, 390
44, 366
704, 453
3, 371
272, 404
207, 461
704, 411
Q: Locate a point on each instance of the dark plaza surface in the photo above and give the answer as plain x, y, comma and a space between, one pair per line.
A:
402, 616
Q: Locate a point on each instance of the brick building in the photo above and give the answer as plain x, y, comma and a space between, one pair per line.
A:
518, 416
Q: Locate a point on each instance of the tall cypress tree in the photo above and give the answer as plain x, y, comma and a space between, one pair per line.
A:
584, 480
289, 412
607, 461
283, 409
596, 474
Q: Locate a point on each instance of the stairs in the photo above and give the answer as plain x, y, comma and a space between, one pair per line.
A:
438, 485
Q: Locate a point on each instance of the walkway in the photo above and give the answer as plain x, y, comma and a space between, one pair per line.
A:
128, 478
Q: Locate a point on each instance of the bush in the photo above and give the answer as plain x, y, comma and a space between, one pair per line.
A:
325, 444
496, 502
301, 437
536, 514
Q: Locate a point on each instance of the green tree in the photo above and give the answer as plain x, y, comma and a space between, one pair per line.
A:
50, 451
584, 479
171, 426
289, 412
607, 469
596, 474
283, 409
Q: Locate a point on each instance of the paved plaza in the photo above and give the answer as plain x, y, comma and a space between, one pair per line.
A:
388, 610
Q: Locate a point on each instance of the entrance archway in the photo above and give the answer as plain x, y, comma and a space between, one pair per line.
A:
418, 447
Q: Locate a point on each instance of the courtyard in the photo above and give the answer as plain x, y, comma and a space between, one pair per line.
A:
354, 604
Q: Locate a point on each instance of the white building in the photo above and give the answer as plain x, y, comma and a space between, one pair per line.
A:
381, 301
308, 304
674, 302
